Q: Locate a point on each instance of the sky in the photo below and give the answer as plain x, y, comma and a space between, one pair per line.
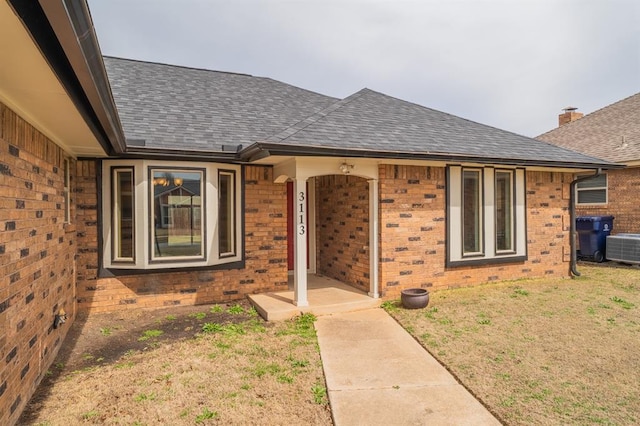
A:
511, 64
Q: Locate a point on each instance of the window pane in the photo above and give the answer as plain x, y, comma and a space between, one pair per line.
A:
226, 221
471, 212
592, 196
504, 211
177, 219
597, 182
123, 214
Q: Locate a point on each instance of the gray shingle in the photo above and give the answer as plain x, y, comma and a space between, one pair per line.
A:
176, 107
373, 121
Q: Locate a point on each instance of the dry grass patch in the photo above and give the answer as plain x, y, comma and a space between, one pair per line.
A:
553, 351
239, 370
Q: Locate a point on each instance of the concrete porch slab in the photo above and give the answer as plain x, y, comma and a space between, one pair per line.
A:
325, 295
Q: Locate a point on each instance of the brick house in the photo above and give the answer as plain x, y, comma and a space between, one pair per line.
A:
128, 184
611, 133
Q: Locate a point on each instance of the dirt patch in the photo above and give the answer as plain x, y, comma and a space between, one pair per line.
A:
205, 364
108, 336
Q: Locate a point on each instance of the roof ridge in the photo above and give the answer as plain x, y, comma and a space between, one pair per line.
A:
179, 66
219, 72
314, 118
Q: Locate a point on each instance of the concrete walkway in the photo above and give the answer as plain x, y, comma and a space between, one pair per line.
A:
377, 374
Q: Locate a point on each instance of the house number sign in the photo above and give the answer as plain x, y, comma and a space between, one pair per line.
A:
301, 230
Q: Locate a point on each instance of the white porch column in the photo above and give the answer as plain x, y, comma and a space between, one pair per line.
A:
373, 238
300, 242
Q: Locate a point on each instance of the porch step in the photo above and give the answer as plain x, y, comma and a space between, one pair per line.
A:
279, 306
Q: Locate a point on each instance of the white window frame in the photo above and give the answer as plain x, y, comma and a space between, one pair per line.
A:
144, 218
604, 188
489, 253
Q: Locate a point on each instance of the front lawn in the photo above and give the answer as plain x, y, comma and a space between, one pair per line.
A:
217, 364
552, 351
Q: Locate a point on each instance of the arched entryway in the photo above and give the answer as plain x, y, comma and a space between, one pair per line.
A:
333, 222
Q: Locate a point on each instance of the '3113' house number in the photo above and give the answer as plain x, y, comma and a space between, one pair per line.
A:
301, 230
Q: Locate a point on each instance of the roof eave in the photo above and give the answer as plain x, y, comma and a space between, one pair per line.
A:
262, 150
64, 33
179, 155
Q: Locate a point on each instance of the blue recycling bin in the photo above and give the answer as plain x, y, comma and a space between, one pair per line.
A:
592, 234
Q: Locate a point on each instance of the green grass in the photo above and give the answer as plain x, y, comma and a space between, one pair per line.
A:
622, 303
236, 310
319, 392
90, 415
198, 315
150, 334
206, 414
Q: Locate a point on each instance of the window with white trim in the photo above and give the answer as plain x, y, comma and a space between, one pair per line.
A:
486, 214
170, 214
592, 191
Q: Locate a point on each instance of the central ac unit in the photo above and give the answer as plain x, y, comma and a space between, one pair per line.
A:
624, 248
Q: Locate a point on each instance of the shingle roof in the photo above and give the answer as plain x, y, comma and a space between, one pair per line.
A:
611, 133
194, 110
173, 107
375, 122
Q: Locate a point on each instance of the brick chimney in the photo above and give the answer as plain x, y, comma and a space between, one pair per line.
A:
570, 114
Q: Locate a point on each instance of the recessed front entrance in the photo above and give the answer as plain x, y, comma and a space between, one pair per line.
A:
332, 223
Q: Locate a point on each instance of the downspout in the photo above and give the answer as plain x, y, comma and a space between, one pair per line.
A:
572, 218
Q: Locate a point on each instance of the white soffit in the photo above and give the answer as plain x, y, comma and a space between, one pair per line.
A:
30, 88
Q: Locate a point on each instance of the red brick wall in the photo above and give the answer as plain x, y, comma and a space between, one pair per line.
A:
37, 252
265, 252
413, 229
624, 188
342, 206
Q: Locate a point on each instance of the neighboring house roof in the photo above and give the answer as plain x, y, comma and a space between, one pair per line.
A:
379, 125
173, 107
611, 133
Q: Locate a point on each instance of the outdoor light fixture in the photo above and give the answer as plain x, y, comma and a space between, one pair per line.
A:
163, 181
346, 168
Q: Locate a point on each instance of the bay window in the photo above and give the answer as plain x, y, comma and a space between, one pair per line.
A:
170, 214
485, 215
